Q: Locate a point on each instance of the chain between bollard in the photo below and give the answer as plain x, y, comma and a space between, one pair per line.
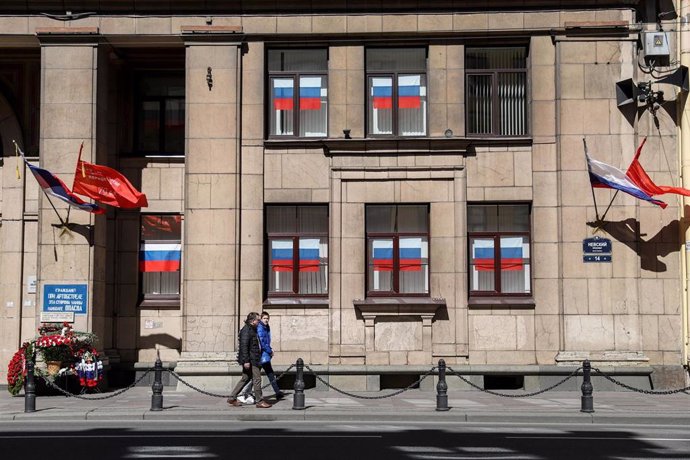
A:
572, 374
51, 384
639, 390
217, 395
352, 395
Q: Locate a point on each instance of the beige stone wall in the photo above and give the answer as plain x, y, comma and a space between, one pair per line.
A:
630, 307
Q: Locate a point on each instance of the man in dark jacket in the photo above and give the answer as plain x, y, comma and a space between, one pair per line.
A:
249, 357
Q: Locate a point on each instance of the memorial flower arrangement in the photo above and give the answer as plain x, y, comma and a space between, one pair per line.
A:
59, 342
16, 370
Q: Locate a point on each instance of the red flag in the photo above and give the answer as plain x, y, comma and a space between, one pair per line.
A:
639, 176
107, 186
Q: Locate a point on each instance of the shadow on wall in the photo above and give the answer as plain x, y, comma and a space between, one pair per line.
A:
665, 242
161, 340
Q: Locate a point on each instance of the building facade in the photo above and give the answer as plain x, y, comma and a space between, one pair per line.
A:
394, 184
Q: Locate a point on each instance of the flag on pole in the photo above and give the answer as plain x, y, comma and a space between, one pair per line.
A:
53, 186
107, 186
602, 175
639, 177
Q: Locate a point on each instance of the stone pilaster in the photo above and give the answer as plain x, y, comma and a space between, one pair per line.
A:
210, 277
69, 66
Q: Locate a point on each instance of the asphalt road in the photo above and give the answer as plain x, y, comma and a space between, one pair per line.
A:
358, 441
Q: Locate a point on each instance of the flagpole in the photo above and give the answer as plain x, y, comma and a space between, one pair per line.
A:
594, 198
44, 192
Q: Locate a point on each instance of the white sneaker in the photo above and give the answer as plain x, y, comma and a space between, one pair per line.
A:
246, 399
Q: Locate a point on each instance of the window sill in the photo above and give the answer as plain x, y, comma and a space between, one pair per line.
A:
296, 302
399, 306
160, 303
501, 301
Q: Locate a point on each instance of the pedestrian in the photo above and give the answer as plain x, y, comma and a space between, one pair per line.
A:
249, 357
264, 332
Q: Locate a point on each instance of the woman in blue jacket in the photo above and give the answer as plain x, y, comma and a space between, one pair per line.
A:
264, 332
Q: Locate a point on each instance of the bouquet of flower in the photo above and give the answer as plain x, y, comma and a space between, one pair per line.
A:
16, 370
54, 346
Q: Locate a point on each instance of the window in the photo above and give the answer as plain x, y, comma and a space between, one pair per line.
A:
298, 87
396, 88
397, 249
160, 114
496, 91
160, 257
297, 250
499, 236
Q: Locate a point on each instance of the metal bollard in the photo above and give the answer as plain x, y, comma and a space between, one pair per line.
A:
30, 385
157, 387
298, 399
442, 387
587, 388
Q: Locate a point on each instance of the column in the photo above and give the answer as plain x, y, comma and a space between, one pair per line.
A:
210, 274
69, 69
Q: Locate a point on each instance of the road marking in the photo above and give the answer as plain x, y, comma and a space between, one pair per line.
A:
599, 438
201, 436
169, 452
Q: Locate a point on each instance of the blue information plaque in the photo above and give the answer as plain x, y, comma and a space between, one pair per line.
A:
65, 298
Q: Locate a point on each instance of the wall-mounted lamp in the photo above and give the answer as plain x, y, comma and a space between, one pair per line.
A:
209, 78
346, 132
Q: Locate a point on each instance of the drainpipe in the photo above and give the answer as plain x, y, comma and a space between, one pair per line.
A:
684, 160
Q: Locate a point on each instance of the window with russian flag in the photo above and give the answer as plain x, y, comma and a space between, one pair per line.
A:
397, 249
160, 255
298, 92
397, 91
298, 250
499, 243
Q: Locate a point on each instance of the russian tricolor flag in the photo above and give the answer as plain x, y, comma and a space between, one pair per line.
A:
511, 254
281, 256
382, 93
52, 185
309, 254
283, 95
383, 255
310, 93
160, 257
409, 92
602, 175
410, 254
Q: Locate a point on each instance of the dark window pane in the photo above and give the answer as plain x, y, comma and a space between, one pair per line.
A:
313, 219
513, 218
396, 59
174, 125
512, 102
482, 218
149, 127
480, 103
496, 58
308, 60
281, 219
162, 86
380, 219
413, 219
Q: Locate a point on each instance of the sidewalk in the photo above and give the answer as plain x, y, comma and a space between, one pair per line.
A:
411, 406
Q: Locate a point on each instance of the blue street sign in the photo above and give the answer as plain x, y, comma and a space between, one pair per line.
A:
65, 298
596, 245
602, 258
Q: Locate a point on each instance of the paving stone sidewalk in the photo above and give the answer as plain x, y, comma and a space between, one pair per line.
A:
412, 405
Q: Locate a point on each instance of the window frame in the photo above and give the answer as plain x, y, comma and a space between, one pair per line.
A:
495, 105
295, 236
496, 236
295, 75
160, 300
368, 75
140, 100
395, 236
